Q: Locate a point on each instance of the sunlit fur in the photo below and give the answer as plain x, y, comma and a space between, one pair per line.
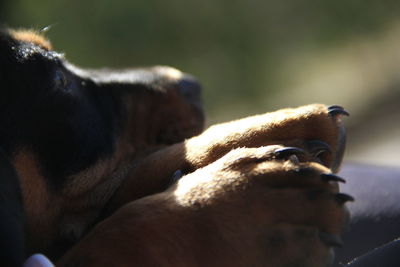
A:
95, 150
32, 36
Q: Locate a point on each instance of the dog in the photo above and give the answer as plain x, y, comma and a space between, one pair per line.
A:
114, 168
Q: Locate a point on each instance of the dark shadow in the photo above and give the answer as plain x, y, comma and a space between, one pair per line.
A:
11, 216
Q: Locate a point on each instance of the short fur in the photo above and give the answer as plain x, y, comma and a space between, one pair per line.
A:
94, 152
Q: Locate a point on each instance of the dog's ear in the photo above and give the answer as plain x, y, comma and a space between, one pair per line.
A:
11, 216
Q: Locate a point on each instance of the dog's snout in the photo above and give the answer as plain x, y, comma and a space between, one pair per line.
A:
189, 88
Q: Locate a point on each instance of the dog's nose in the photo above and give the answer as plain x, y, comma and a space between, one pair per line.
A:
190, 89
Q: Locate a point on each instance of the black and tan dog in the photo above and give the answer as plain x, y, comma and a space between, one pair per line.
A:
95, 153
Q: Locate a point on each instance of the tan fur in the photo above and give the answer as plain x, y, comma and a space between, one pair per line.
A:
31, 36
287, 126
85, 194
238, 205
39, 204
245, 209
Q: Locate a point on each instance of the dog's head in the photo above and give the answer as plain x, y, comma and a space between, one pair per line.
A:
71, 134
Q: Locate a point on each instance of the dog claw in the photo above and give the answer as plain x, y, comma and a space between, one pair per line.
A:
331, 240
331, 177
176, 176
337, 110
317, 147
285, 152
294, 159
342, 198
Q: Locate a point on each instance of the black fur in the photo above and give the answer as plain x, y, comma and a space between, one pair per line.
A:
68, 116
71, 118
44, 113
11, 214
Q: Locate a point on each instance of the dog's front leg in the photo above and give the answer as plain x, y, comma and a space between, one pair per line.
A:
252, 207
316, 128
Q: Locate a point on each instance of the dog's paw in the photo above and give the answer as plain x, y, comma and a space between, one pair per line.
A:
315, 128
290, 127
265, 206
269, 207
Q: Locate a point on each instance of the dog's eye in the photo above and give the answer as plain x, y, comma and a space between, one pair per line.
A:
60, 79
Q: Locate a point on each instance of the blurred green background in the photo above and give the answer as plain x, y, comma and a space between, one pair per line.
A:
251, 56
